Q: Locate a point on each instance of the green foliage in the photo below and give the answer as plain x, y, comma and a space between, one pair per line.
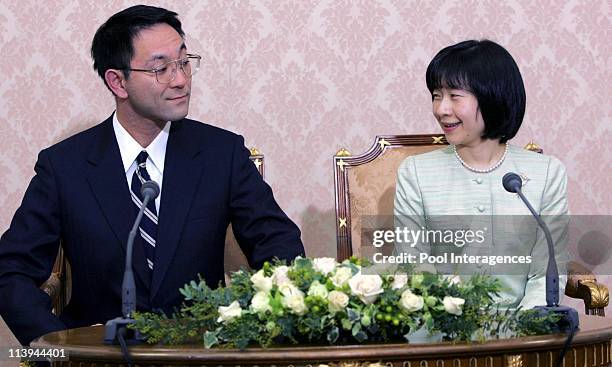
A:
478, 294
531, 322
312, 301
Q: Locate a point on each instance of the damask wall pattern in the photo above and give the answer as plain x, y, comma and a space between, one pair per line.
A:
301, 78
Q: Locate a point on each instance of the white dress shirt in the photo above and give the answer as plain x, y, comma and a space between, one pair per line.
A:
129, 149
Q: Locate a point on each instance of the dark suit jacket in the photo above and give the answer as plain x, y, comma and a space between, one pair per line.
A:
80, 196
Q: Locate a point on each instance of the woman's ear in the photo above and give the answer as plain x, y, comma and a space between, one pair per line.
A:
115, 79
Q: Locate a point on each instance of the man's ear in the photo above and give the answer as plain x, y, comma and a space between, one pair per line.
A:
116, 82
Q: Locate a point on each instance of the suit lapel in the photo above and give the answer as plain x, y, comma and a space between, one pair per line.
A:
180, 182
108, 183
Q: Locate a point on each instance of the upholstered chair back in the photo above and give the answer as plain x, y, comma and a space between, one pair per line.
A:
365, 187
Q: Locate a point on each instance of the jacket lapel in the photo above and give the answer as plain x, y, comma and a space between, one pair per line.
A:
109, 185
181, 175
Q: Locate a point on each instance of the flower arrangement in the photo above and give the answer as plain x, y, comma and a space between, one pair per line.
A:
322, 301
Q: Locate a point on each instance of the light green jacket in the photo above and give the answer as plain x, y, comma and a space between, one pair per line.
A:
435, 192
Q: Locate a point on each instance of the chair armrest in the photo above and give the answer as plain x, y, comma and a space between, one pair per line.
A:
582, 284
53, 287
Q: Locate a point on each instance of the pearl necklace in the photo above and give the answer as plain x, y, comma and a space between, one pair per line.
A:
486, 170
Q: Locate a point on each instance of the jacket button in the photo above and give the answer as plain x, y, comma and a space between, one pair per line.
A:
481, 208
479, 180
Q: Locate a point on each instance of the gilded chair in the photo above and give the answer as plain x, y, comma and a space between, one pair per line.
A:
364, 187
59, 284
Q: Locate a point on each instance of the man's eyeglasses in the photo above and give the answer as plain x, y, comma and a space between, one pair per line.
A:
167, 72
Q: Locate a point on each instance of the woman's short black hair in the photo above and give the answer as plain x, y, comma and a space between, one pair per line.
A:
488, 71
113, 44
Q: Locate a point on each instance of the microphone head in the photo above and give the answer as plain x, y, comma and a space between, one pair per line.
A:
150, 188
512, 182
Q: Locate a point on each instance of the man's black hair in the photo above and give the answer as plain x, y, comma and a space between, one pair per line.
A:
113, 44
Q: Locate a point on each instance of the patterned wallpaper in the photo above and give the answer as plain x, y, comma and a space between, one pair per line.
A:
300, 79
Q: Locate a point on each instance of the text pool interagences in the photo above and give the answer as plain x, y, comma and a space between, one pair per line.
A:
449, 258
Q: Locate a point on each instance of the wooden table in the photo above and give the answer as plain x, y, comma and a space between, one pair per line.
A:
590, 347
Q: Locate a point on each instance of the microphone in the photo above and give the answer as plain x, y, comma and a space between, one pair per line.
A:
513, 183
117, 327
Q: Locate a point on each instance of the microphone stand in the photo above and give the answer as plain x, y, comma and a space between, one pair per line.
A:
115, 330
569, 316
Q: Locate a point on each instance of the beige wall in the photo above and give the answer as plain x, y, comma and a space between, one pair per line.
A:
300, 79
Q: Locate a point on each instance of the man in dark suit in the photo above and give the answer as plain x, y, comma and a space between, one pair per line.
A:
86, 191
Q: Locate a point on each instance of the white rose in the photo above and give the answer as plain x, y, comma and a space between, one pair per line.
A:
324, 265
366, 287
293, 299
410, 301
261, 302
318, 290
280, 277
261, 282
399, 281
337, 301
453, 305
230, 312
341, 276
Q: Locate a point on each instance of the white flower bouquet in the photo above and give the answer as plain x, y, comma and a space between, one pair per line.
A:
317, 301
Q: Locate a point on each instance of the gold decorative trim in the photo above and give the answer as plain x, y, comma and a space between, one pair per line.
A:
342, 222
514, 360
599, 294
343, 153
341, 163
533, 147
352, 364
383, 143
550, 359
438, 139
257, 163
254, 151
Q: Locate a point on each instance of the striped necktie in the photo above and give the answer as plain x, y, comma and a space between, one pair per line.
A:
148, 225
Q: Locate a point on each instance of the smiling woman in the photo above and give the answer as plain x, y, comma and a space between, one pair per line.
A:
478, 99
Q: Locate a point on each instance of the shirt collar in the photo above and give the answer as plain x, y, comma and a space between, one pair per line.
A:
129, 147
